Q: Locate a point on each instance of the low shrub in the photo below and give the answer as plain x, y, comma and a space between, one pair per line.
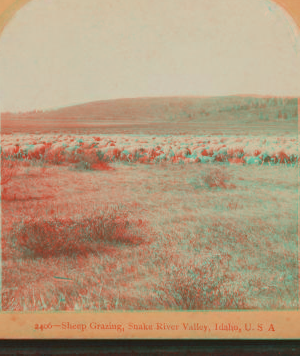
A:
88, 160
200, 286
215, 177
42, 237
55, 157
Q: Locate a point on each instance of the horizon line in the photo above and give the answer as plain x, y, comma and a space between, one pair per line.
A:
266, 96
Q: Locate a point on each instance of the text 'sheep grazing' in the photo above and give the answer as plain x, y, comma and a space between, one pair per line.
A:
159, 326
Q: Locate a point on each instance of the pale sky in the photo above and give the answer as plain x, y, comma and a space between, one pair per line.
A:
55, 53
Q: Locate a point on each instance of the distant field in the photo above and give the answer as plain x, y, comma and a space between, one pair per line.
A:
161, 116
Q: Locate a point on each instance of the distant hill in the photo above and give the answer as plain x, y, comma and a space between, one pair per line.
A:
231, 111
187, 109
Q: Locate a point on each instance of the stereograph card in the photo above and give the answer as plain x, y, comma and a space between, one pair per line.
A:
149, 169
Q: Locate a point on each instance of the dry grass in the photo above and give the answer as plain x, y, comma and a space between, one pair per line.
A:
165, 236
191, 285
9, 169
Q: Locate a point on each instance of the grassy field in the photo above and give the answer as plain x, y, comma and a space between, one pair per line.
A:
150, 237
79, 233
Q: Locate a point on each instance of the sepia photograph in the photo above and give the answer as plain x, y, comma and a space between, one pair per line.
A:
149, 160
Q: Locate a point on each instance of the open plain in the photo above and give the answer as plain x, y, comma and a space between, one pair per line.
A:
160, 215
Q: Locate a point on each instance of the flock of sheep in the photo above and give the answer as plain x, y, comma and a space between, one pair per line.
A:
246, 150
